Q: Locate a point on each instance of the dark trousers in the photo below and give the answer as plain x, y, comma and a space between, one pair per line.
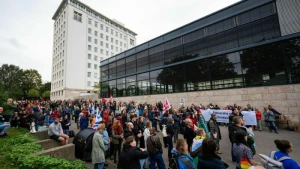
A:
117, 148
165, 140
170, 145
142, 142
6, 118
158, 159
232, 155
176, 135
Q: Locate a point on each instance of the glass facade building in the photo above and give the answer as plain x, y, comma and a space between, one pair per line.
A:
239, 46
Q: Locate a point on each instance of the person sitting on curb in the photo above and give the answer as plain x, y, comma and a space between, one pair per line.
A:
4, 126
55, 132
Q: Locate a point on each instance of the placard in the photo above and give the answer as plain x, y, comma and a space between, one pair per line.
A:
249, 118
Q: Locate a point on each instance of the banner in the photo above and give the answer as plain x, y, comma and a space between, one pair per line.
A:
222, 115
167, 105
249, 118
98, 119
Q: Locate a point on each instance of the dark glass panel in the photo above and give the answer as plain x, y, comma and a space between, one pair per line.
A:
263, 65
104, 89
173, 78
143, 76
121, 87
112, 87
293, 60
173, 55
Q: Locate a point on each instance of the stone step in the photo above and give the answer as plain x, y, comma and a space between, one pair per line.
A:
41, 134
65, 151
49, 143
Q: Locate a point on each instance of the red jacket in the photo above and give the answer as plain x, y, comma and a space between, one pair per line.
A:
258, 115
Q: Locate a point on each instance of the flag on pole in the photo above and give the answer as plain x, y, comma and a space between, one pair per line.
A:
104, 100
98, 119
110, 98
167, 104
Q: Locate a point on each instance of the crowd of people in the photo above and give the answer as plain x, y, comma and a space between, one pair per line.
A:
127, 132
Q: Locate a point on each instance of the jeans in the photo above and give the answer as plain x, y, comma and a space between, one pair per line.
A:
176, 135
259, 126
66, 132
46, 121
271, 125
4, 128
117, 148
232, 155
156, 158
98, 165
170, 145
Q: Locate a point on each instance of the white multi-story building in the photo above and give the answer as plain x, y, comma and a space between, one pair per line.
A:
82, 37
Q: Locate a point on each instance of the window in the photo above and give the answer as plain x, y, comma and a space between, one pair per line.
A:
90, 30
101, 35
125, 38
95, 49
89, 65
62, 62
89, 56
124, 45
106, 53
116, 34
96, 24
112, 47
90, 21
112, 31
112, 40
121, 44
90, 39
95, 75
95, 66
88, 83
101, 27
121, 50
132, 42
96, 41
101, 43
77, 16
101, 58
117, 49
95, 58
121, 35
112, 53
106, 45
96, 33
106, 29
107, 38
89, 74
89, 47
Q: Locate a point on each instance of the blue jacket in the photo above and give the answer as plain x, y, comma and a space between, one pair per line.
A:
105, 139
83, 123
288, 163
184, 161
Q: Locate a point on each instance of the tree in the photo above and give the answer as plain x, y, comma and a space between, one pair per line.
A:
31, 80
45, 87
97, 88
33, 93
46, 94
10, 76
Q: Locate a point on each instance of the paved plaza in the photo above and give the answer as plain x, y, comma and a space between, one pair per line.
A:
264, 142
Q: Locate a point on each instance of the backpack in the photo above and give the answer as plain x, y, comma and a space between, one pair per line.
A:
270, 163
279, 160
173, 163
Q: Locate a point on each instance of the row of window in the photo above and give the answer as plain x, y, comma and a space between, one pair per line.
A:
174, 51
57, 75
272, 64
89, 74
58, 66
107, 38
101, 50
89, 84
57, 84
90, 66
58, 93
101, 44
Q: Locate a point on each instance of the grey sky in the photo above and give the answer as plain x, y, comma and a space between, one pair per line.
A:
26, 26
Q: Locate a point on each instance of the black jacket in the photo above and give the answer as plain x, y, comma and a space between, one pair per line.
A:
189, 135
128, 133
214, 163
130, 156
170, 130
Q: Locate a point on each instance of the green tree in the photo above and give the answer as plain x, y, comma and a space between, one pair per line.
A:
45, 87
33, 93
97, 88
46, 94
31, 80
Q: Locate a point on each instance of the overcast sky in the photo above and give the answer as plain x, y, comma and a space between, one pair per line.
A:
26, 26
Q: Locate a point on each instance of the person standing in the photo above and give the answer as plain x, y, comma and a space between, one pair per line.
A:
270, 119
214, 130
98, 151
189, 134
154, 147
83, 121
258, 120
176, 125
170, 133
117, 136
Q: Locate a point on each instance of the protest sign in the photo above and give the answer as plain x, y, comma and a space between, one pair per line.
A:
182, 102
249, 118
222, 115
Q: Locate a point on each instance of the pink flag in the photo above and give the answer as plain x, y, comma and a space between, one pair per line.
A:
110, 97
167, 105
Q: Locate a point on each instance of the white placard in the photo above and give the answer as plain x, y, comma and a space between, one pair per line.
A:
222, 115
249, 118
182, 101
